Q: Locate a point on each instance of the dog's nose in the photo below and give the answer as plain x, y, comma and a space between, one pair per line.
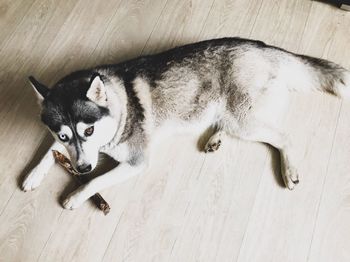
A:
84, 168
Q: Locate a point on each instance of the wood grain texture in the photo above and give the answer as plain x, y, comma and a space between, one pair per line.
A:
189, 206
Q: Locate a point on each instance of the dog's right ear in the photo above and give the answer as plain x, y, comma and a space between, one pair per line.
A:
40, 89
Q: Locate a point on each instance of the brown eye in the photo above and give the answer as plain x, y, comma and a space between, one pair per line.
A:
89, 131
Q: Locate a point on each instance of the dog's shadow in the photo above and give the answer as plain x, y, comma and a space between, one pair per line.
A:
204, 138
276, 165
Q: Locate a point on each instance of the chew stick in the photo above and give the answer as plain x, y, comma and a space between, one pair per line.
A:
66, 164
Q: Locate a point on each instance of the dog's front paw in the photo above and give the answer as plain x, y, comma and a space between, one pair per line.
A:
74, 200
32, 180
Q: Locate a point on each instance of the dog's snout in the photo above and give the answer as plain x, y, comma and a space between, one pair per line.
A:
84, 168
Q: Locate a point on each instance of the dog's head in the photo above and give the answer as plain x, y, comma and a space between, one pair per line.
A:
76, 110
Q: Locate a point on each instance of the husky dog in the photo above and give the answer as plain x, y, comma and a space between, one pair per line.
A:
233, 85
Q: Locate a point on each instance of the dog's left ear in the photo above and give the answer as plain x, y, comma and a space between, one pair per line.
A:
41, 90
97, 91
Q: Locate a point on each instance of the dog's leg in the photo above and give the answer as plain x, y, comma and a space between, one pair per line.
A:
121, 173
278, 140
214, 142
34, 178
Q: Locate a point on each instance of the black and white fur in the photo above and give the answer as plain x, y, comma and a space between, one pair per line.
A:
234, 85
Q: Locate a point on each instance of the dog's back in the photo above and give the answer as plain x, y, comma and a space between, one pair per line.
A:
228, 81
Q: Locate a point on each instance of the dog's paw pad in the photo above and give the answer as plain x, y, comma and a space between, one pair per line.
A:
212, 146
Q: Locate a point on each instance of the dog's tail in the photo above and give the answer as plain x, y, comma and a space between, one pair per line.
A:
304, 73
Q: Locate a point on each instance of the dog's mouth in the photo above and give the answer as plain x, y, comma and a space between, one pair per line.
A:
81, 173
67, 164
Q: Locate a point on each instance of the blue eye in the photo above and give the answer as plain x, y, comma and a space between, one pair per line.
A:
63, 137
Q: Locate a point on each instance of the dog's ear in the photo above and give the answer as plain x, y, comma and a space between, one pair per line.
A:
40, 89
97, 91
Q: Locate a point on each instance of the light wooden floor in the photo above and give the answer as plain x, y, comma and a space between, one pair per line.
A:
227, 206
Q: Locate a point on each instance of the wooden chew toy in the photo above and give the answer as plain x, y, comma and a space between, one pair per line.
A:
66, 164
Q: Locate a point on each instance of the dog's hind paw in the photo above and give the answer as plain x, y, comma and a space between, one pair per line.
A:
32, 180
213, 143
211, 147
290, 178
